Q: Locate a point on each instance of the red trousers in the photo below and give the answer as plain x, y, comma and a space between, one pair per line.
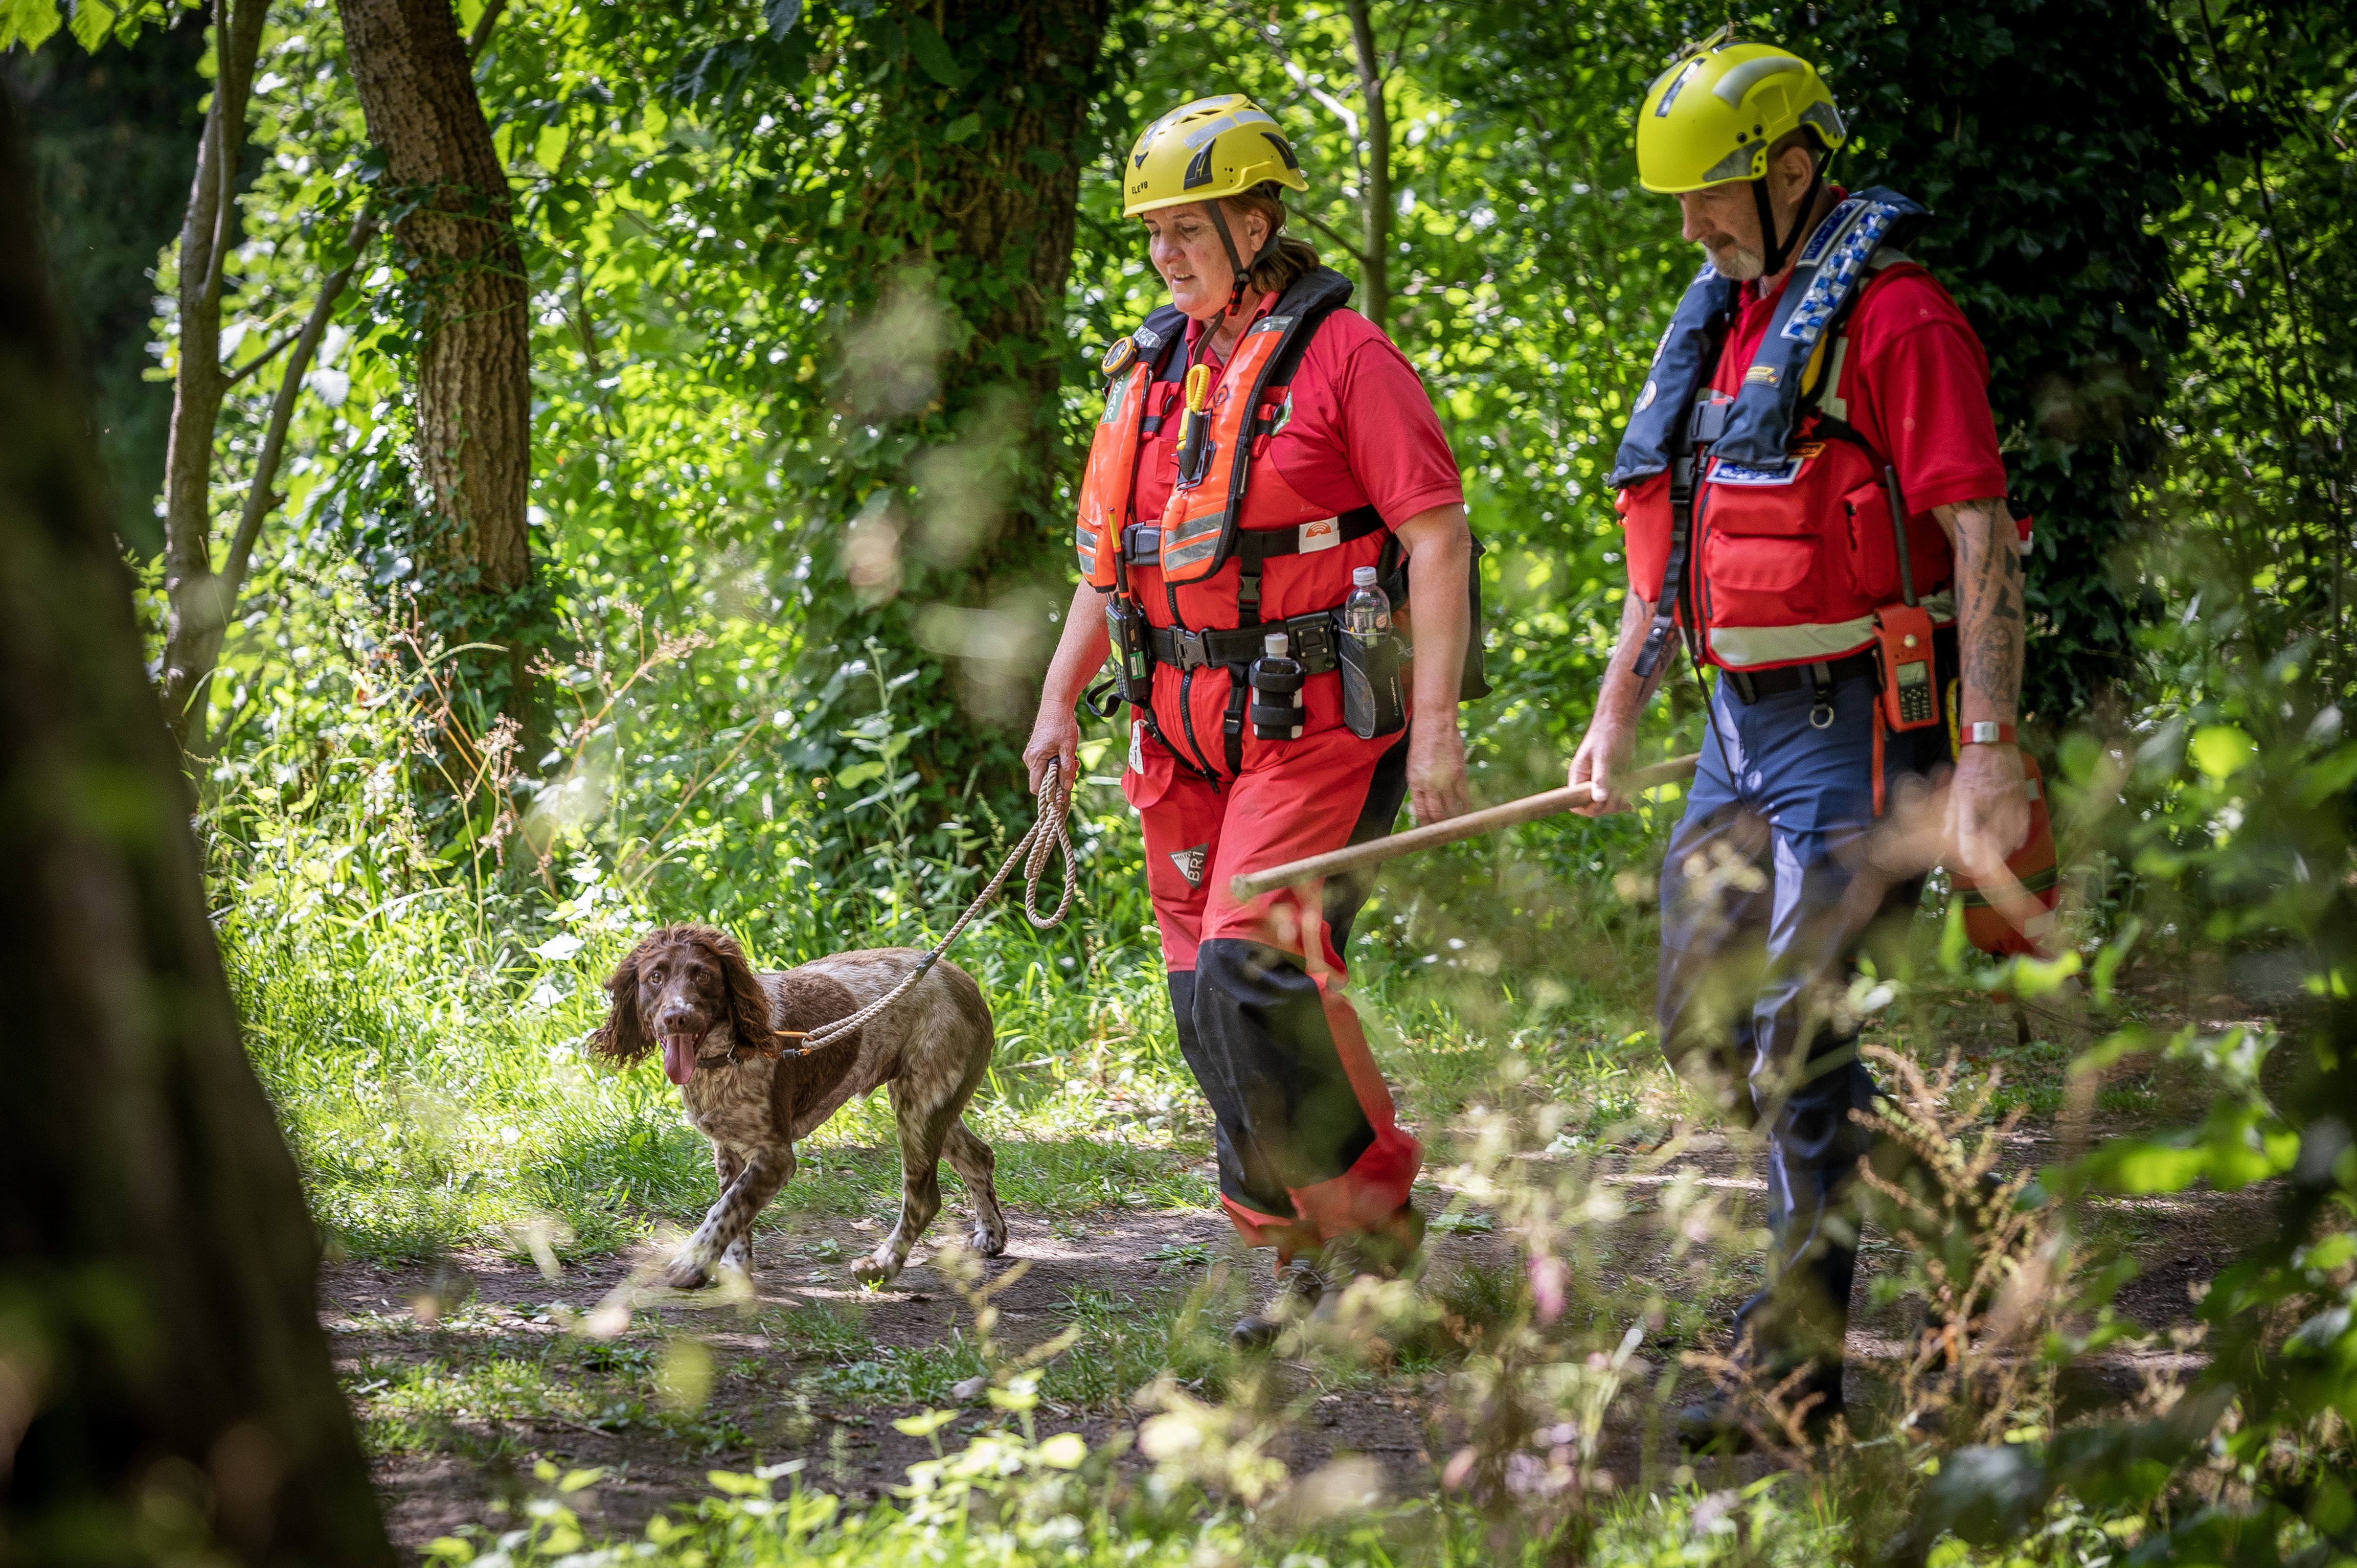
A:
1308, 1148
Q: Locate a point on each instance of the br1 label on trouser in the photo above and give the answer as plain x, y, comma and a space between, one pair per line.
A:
1189, 863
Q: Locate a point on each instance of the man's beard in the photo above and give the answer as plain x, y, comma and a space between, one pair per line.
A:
1733, 260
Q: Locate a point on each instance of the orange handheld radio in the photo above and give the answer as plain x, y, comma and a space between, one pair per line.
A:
1910, 689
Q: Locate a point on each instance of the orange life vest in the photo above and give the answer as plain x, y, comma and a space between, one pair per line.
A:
1187, 587
1199, 530
1193, 577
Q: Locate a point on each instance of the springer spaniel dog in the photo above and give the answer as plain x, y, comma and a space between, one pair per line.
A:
691, 990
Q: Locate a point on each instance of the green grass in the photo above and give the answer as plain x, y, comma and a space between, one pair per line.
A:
818, 1330
424, 1055
477, 1388
434, 1102
900, 1376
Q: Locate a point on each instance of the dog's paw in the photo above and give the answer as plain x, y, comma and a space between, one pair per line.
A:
987, 1242
687, 1274
876, 1269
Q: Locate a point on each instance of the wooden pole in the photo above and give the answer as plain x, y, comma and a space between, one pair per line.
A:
1473, 824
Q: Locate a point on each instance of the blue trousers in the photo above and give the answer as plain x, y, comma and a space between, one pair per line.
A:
1765, 908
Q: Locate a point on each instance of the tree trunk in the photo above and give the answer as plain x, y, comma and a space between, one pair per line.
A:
1018, 193
474, 395
114, 138
1376, 190
992, 239
198, 612
163, 1383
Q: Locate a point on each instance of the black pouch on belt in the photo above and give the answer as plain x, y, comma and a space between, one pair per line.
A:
1374, 701
1276, 680
1133, 655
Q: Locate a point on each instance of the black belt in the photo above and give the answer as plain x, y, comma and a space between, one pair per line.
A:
1752, 685
1141, 543
1310, 636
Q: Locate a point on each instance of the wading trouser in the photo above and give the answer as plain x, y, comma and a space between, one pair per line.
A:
1307, 1146
1765, 908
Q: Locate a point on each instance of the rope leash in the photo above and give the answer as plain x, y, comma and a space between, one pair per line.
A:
1031, 852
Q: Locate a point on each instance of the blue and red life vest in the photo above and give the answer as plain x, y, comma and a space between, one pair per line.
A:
1786, 551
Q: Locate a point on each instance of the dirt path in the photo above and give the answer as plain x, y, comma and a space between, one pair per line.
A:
778, 1389
468, 1373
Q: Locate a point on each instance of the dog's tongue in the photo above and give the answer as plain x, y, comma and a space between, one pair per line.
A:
679, 1057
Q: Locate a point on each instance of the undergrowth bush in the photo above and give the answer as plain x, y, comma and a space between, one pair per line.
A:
416, 986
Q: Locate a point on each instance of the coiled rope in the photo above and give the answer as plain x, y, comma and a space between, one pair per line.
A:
1050, 834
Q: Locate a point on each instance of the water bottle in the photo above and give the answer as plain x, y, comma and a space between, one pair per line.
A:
1372, 700
1367, 613
1277, 679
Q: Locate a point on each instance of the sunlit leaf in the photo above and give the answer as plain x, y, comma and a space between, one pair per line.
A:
2221, 751
1065, 1451
27, 22
93, 21
924, 1423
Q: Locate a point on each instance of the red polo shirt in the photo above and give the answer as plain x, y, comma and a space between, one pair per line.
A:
1915, 378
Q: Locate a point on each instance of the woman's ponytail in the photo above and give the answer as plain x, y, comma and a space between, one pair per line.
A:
1291, 260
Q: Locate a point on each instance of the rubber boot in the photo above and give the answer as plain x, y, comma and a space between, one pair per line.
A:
1300, 1286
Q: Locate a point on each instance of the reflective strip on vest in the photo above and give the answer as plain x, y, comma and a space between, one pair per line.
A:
1198, 548
1755, 646
1748, 647
1105, 486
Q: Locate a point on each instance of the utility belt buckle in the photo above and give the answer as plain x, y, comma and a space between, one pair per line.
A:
1193, 649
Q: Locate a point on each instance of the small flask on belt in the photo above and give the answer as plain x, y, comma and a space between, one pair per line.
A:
1276, 680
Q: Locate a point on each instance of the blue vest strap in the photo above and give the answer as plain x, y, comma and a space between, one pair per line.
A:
1759, 423
1679, 368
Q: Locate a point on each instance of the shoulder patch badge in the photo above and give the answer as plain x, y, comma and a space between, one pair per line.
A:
1119, 354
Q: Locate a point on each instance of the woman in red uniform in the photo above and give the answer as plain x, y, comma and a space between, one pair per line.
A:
1259, 442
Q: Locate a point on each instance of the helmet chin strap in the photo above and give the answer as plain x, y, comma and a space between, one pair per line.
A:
1237, 262
1778, 251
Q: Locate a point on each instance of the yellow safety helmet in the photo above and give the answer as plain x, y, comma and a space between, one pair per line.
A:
1711, 118
1201, 151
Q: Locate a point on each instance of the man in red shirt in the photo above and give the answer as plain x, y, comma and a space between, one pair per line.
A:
1812, 446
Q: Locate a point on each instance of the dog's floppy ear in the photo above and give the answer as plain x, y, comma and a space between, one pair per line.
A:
748, 1004
623, 1036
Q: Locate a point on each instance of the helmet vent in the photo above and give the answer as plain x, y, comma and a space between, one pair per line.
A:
1198, 168
1741, 78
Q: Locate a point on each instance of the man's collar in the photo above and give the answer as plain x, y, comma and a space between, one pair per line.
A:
1757, 287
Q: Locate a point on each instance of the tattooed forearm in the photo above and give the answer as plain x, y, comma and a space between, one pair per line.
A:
1989, 613
1623, 694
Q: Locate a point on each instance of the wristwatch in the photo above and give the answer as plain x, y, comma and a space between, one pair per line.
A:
1987, 733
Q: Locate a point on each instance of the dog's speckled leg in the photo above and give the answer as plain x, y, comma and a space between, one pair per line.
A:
921, 1186
726, 1226
972, 1159
729, 1167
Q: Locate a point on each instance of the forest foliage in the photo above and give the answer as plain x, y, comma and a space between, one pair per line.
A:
816, 290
